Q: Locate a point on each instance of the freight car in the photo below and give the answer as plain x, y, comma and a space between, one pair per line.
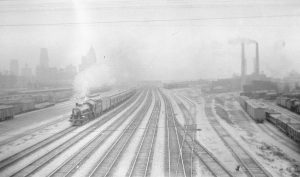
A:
6, 112
254, 109
96, 106
292, 104
286, 125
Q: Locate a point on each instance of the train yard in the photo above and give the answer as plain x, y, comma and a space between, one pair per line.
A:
146, 132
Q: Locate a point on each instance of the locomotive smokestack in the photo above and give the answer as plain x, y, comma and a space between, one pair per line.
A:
243, 65
256, 64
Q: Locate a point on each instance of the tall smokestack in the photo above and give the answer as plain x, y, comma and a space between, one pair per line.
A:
243, 65
256, 64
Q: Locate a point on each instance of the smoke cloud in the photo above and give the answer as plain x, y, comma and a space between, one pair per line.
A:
96, 76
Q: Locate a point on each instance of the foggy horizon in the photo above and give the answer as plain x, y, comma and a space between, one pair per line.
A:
163, 40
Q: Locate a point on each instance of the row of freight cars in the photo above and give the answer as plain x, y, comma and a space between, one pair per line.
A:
254, 109
7, 111
259, 113
286, 125
11, 105
292, 104
265, 94
96, 106
39, 97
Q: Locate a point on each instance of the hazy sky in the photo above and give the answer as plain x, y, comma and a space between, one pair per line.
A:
157, 39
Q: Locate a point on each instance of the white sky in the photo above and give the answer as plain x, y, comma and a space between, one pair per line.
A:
157, 39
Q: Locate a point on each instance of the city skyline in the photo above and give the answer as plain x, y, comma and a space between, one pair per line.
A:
197, 36
17, 67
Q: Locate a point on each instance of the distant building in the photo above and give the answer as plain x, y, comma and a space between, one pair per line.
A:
292, 80
47, 76
89, 60
14, 68
43, 72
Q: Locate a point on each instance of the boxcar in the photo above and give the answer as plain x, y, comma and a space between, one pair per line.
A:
6, 112
256, 111
290, 103
273, 117
284, 101
293, 131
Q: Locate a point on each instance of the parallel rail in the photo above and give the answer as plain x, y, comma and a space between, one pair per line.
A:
28, 132
43, 160
106, 164
188, 130
175, 165
265, 127
143, 159
208, 159
251, 166
70, 166
26, 152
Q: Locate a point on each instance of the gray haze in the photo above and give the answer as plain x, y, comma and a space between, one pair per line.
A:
169, 40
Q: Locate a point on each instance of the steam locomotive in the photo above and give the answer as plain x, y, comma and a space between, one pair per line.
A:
96, 106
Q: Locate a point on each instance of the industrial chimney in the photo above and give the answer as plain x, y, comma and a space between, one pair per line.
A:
256, 63
243, 65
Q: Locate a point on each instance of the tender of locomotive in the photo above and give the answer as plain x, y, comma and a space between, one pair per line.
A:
95, 106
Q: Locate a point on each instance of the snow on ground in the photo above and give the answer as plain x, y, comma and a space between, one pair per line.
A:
209, 139
285, 143
176, 109
72, 150
270, 148
27, 121
131, 151
279, 139
31, 139
46, 149
281, 160
85, 168
30, 120
264, 149
201, 169
158, 162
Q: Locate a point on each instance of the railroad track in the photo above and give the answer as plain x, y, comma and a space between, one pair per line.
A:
141, 165
22, 154
187, 143
70, 166
41, 161
106, 164
28, 132
174, 161
36, 129
187, 134
265, 127
279, 136
251, 166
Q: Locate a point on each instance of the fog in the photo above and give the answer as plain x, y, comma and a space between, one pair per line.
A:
165, 40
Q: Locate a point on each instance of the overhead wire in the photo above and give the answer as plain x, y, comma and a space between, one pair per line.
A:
150, 20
